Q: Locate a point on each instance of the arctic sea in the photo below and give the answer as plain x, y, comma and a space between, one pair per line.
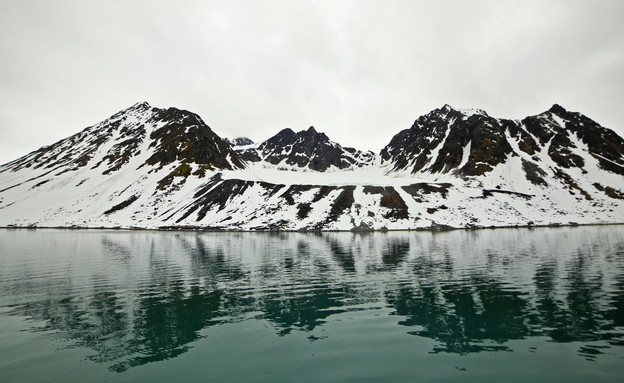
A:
512, 305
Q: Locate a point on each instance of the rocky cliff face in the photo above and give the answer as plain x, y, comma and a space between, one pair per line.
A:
471, 143
450, 140
165, 168
553, 149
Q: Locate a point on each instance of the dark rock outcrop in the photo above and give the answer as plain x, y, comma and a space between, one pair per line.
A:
185, 137
437, 141
306, 149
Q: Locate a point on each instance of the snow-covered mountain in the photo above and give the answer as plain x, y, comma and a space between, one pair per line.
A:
471, 143
164, 168
239, 141
307, 149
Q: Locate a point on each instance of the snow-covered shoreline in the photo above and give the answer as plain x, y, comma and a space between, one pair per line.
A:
199, 229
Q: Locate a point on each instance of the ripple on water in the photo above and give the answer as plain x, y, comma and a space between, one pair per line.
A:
382, 302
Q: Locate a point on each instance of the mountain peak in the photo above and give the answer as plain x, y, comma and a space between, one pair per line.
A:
140, 105
465, 111
311, 130
286, 131
557, 109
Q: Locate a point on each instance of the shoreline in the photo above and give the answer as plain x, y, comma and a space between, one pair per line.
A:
303, 231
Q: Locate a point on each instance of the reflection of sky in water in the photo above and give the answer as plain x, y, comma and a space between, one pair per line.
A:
138, 297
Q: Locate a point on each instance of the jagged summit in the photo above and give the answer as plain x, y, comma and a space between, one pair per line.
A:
557, 109
138, 107
306, 149
446, 109
141, 104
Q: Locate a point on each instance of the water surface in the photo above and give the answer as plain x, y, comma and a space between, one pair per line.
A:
506, 304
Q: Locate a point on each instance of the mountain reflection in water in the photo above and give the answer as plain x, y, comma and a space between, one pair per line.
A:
140, 297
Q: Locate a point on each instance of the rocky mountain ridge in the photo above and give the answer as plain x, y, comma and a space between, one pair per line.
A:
448, 140
307, 149
165, 168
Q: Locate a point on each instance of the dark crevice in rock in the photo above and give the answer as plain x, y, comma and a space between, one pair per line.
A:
489, 193
122, 205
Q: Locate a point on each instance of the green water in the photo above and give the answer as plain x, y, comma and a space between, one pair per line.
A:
488, 305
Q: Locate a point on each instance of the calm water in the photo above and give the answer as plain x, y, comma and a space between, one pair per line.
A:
488, 305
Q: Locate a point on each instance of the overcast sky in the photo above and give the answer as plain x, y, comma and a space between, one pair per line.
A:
360, 71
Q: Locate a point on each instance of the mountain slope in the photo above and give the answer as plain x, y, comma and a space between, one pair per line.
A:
165, 168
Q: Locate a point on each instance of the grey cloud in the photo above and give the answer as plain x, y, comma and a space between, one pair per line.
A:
358, 70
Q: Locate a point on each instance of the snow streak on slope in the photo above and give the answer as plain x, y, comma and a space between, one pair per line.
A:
151, 168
